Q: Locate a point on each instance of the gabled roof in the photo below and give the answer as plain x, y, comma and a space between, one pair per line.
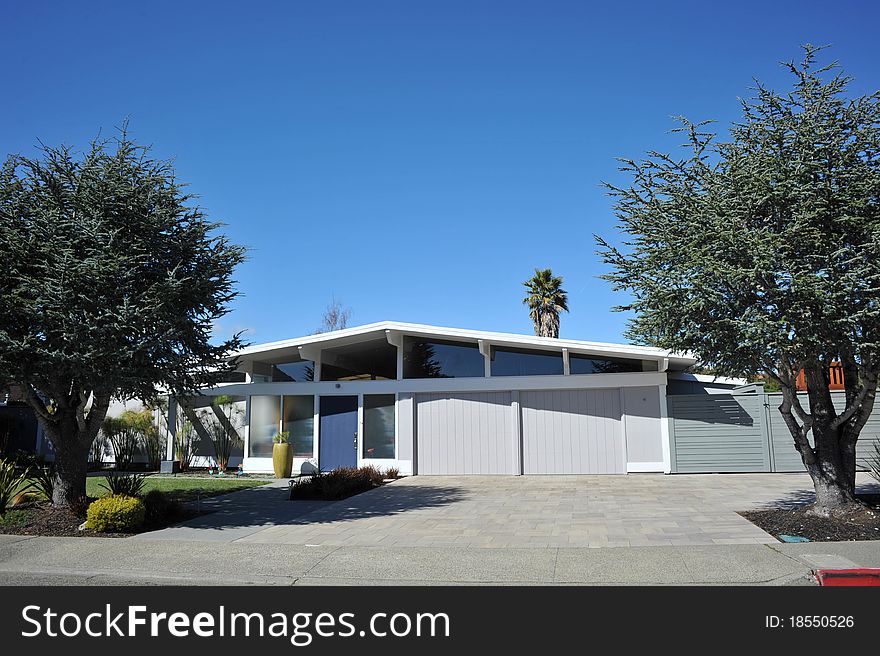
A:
287, 348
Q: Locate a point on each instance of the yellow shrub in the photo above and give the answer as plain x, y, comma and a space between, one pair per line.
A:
115, 514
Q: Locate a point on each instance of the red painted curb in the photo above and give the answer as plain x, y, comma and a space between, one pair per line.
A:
849, 577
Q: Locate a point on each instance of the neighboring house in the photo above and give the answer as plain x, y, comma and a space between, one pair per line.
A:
431, 400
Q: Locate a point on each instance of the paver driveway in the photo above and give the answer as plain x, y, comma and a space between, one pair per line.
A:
539, 511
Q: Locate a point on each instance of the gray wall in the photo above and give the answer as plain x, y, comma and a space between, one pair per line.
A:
718, 433
642, 418
743, 433
786, 458
464, 433
572, 432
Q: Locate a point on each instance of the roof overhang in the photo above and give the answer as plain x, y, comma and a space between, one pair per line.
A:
308, 347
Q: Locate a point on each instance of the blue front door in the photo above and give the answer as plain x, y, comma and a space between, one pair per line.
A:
337, 435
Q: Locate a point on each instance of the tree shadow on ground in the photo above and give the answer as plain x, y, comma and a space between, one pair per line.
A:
270, 506
803, 497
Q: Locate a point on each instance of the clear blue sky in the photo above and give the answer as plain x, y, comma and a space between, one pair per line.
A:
416, 159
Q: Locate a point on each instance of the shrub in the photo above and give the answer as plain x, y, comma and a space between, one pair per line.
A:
115, 514
43, 481
375, 474
124, 439
392, 472
128, 485
11, 483
154, 446
223, 428
156, 506
873, 462
337, 484
186, 443
98, 451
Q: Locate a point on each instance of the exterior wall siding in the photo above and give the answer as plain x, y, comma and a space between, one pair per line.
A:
572, 432
464, 433
641, 412
744, 433
787, 459
719, 433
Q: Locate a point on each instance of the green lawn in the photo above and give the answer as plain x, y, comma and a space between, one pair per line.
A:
183, 488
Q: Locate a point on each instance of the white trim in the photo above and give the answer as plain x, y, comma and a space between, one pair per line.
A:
419, 385
707, 378
356, 334
665, 433
623, 415
642, 467
516, 434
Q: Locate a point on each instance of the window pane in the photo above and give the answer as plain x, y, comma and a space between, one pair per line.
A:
585, 364
373, 360
302, 371
265, 411
424, 358
299, 421
522, 362
379, 426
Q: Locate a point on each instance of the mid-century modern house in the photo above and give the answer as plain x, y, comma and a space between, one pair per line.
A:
431, 400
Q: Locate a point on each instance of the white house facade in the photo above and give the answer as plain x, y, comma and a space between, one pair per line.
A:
431, 400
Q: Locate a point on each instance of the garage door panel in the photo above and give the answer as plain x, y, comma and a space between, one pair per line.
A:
464, 433
572, 432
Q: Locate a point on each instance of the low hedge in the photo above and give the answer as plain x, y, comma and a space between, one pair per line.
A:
337, 484
115, 514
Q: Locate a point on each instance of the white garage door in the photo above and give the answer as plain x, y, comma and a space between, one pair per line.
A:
465, 433
572, 432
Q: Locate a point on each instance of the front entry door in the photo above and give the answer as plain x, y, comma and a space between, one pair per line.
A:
337, 436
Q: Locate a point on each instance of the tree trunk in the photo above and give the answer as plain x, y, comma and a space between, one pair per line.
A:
71, 431
831, 463
71, 467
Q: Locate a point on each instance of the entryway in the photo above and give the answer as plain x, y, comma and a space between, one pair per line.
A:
338, 432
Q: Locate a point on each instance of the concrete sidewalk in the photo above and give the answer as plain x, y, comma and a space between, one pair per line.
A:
108, 561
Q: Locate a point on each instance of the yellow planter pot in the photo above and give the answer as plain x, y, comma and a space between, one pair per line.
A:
282, 460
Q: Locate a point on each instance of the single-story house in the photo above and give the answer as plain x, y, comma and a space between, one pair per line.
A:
431, 400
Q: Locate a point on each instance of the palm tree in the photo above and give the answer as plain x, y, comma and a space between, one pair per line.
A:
546, 299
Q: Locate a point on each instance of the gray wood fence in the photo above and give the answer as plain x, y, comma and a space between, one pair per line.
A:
743, 433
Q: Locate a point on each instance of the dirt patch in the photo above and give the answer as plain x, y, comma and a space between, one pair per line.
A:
863, 524
42, 518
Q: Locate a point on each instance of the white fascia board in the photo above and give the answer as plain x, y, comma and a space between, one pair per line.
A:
418, 385
352, 335
707, 378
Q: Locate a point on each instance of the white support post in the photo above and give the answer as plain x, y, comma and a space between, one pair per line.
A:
566, 363
665, 433
486, 351
316, 428
516, 434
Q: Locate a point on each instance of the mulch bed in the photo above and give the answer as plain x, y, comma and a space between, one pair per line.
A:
40, 518
860, 525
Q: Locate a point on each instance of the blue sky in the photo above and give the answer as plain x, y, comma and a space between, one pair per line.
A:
416, 159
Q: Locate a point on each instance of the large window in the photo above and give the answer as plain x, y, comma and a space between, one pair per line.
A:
379, 426
299, 422
301, 371
523, 362
588, 364
424, 358
264, 424
372, 360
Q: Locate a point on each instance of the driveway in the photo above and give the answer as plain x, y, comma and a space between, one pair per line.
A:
507, 511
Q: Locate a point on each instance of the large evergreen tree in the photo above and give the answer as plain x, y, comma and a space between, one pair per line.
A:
760, 253
111, 279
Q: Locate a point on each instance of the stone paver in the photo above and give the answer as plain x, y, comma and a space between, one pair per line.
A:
544, 511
